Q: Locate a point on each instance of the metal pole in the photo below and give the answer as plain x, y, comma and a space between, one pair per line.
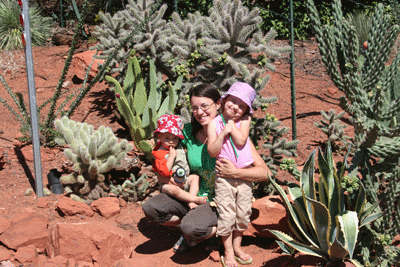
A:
176, 6
292, 80
32, 100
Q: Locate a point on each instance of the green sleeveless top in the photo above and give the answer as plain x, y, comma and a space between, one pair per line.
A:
200, 162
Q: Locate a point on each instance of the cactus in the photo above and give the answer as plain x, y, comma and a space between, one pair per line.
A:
369, 86
148, 41
131, 189
333, 129
215, 49
94, 154
139, 110
271, 133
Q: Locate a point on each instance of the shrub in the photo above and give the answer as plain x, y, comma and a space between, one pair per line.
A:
11, 28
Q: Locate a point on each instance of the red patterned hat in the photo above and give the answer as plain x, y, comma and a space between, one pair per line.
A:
169, 124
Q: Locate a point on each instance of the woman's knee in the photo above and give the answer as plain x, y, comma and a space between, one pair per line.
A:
150, 210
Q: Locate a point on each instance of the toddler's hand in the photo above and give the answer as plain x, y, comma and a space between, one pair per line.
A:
172, 181
172, 152
227, 130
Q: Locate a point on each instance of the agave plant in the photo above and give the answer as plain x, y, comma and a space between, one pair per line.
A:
323, 216
11, 28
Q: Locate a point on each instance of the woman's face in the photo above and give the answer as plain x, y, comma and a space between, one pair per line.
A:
204, 109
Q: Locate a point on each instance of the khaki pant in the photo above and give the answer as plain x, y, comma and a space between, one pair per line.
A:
233, 199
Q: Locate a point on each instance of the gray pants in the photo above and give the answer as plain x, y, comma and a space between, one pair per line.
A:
196, 224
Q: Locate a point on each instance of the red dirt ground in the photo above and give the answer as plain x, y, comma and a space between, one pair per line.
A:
314, 92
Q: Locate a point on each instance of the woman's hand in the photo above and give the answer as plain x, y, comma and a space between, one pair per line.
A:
225, 168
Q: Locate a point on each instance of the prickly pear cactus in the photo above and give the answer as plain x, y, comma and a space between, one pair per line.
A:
140, 110
94, 154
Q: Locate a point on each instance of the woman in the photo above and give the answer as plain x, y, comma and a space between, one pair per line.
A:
199, 223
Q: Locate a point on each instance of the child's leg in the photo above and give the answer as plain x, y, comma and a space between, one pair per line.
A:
229, 255
194, 183
243, 213
180, 194
225, 191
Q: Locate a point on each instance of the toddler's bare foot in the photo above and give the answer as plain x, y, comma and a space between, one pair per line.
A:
201, 200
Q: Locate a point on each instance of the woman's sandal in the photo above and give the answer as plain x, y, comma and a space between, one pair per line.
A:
244, 262
181, 246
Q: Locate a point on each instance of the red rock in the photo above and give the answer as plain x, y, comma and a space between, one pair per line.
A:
332, 90
26, 254
71, 207
81, 62
122, 202
42, 202
5, 254
89, 242
268, 213
26, 213
214, 256
29, 231
84, 264
106, 207
4, 224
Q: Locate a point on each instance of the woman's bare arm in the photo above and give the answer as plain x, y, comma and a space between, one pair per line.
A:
257, 173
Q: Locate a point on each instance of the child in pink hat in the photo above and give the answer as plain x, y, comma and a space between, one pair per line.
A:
170, 161
228, 138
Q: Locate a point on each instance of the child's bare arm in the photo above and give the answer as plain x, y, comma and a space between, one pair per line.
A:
240, 135
214, 143
171, 157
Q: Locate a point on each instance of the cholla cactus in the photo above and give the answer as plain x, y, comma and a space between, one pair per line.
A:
331, 126
366, 82
131, 189
270, 131
94, 154
143, 16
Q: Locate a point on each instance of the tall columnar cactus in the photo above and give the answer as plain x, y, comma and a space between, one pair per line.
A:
94, 154
366, 83
139, 110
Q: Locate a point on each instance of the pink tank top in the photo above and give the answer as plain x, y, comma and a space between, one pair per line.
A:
244, 158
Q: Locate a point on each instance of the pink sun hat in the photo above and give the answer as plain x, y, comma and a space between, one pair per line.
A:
244, 92
169, 124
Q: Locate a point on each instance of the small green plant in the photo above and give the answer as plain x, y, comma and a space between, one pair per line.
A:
139, 110
94, 154
319, 216
11, 28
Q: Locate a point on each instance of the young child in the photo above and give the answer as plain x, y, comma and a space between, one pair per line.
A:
228, 137
170, 161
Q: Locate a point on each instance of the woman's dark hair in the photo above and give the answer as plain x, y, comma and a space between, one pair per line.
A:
203, 90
